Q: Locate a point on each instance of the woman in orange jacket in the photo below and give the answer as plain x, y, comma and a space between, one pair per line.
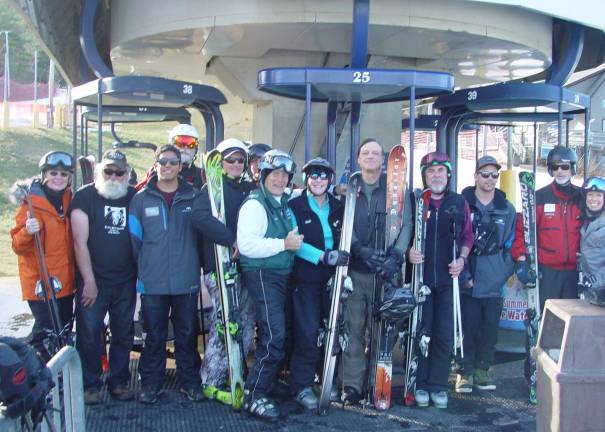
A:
50, 197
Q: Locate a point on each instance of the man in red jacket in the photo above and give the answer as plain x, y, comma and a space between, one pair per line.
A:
558, 234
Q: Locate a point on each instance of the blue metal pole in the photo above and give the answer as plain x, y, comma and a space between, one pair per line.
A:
412, 133
359, 43
308, 123
331, 138
355, 112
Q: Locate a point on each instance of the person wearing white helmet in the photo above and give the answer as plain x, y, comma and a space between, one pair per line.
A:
214, 370
267, 238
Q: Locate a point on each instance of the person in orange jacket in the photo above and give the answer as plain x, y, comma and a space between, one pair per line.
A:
50, 197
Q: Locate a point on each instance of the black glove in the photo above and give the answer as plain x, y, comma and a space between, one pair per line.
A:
336, 257
391, 265
587, 282
524, 273
372, 258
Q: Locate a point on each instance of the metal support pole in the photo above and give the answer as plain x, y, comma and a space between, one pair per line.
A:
509, 158
308, 123
36, 117
586, 143
82, 145
331, 138
477, 144
74, 145
359, 43
355, 114
560, 124
535, 158
566, 132
412, 134
99, 123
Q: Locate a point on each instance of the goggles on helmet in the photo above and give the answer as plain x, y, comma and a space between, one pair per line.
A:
279, 162
57, 159
185, 141
594, 184
434, 159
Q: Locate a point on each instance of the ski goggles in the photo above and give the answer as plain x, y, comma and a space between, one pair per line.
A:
488, 174
185, 141
594, 184
434, 159
59, 159
281, 162
319, 175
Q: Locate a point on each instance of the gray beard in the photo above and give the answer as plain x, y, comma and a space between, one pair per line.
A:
111, 189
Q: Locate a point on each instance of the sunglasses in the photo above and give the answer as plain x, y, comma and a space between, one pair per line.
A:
318, 175
63, 174
171, 161
234, 160
109, 172
185, 141
564, 167
488, 174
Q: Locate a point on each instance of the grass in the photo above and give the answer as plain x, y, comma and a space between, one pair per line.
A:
21, 149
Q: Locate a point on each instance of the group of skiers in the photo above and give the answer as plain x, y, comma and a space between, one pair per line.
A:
108, 242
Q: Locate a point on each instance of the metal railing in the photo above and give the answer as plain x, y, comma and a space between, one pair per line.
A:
67, 413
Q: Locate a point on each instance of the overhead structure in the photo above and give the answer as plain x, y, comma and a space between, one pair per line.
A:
515, 102
146, 99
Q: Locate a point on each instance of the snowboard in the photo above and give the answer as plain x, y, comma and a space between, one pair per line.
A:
228, 283
416, 340
386, 334
532, 314
332, 336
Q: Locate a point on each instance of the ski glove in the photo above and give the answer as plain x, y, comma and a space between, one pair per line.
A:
390, 266
336, 257
587, 282
524, 273
372, 258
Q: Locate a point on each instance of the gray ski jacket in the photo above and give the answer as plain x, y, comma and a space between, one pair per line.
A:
592, 248
489, 271
164, 242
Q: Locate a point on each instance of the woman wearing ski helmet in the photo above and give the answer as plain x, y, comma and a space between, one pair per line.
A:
592, 243
267, 239
255, 153
319, 216
50, 197
215, 366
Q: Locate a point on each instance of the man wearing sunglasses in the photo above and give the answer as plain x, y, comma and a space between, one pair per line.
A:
558, 223
106, 276
488, 267
164, 244
214, 371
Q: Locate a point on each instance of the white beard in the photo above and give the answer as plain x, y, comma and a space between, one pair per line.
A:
110, 189
438, 189
187, 156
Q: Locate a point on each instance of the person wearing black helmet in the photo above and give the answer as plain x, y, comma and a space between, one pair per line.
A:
558, 223
368, 261
267, 239
50, 197
446, 210
319, 217
489, 265
592, 245
255, 153
235, 189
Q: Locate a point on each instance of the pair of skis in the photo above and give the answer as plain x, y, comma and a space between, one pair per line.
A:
532, 314
334, 339
228, 282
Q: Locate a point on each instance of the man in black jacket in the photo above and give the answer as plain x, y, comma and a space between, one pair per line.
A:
214, 371
319, 218
489, 266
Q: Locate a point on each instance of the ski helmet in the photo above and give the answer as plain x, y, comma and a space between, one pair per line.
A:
276, 159
594, 183
258, 150
56, 159
434, 159
185, 130
399, 306
560, 155
317, 164
231, 145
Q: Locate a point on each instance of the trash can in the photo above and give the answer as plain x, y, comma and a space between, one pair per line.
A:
570, 358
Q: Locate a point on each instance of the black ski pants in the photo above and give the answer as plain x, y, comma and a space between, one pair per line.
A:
269, 293
438, 321
119, 301
308, 308
480, 321
43, 323
182, 311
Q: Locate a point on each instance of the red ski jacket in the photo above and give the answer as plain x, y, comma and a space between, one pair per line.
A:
558, 224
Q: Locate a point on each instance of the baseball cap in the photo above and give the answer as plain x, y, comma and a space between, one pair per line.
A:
487, 160
115, 157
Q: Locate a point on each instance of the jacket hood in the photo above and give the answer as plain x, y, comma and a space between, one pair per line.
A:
499, 197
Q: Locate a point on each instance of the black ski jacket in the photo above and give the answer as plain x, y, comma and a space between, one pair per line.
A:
310, 226
210, 228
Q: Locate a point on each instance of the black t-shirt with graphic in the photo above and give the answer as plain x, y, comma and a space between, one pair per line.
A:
108, 235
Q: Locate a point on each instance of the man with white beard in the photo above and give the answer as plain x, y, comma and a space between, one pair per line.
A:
106, 276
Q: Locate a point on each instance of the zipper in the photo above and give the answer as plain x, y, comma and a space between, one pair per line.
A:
435, 246
566, 246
